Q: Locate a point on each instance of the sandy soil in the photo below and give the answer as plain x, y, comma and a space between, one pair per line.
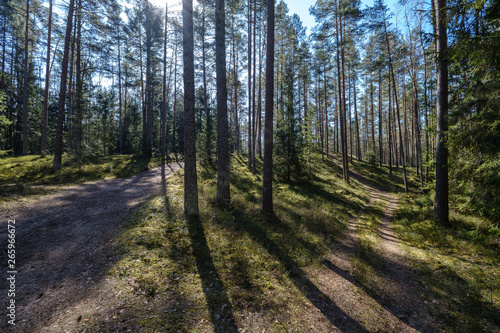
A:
63, 247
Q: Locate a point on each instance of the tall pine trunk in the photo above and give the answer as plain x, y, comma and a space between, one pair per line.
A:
164, 91
249, 84
223, 160
267, 179
56, 164
190, 176
47, 86
441, 209
26, 81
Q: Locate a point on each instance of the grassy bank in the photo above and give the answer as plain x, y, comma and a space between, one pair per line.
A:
23, 176
459, 265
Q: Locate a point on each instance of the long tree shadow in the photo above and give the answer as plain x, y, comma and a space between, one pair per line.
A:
320, 300
219, 306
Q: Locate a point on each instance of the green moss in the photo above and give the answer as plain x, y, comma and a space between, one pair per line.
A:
24, 176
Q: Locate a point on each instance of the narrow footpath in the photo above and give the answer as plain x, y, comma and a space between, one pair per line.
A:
394, 304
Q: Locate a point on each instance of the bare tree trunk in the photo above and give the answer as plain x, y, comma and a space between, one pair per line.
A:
79, 85
164, 91
120, 125
190, 176
254, 122
441, 209
249, 85
380, 150
389, 127
47, 86
267, 179
372, 114
208, 122
259, 105
62, 91
356, 119
345, 161
149, 85
174, 129
223, 160
26, 81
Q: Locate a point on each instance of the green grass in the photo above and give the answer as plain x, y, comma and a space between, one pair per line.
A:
234, 265
459, 265
23, 176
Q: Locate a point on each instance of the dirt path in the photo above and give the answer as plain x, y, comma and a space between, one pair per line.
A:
63, 246
394, 305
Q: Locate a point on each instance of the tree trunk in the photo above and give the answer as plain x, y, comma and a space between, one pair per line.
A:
267, 179
441, 209
190, 176
254, 122
208, 123
47, 86
174, 129
26, 81
358, 143
343, 124
164, 91
149, 85
223, 160
389, 128
79, 85
56, 164
249, 85
259, 103
120, 109
380, 151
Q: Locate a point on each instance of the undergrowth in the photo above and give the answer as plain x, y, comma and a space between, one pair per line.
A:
459, 265
23, 176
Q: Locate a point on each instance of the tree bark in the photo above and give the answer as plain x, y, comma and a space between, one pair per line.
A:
26, 81
254, 121
208, 129
149, 85
223, 160
249, 85
164, 90
190, 176
56, 164
267, 179
380, 150
47, 86
441, 209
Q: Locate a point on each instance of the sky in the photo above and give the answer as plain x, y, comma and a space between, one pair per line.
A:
299, 7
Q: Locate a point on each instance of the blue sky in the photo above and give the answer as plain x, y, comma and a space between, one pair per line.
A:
301, 8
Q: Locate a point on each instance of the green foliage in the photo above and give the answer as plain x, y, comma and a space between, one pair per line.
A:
289, 147
475, 112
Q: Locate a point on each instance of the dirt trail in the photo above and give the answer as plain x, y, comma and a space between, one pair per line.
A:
395, 304
63, 246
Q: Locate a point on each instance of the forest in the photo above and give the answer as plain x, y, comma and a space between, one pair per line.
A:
218, 166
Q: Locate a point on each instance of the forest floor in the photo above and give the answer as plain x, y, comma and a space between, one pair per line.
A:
62, 245
118, 255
